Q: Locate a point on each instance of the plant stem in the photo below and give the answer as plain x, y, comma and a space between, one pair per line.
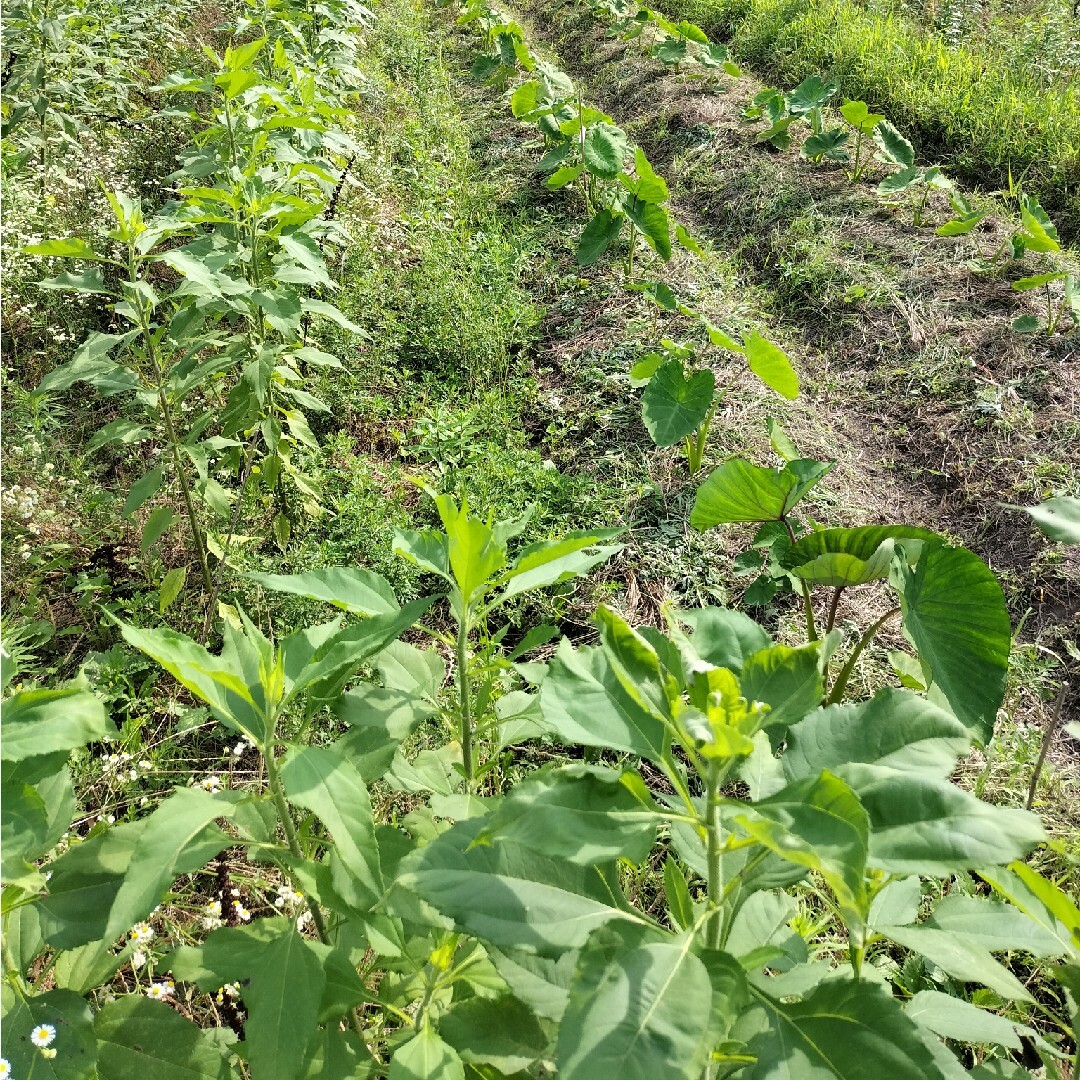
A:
715, 880
808, 607
464, 698
1047, 739
845, 672
831, 619
630, 257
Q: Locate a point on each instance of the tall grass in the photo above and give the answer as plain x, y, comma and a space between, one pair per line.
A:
971, 105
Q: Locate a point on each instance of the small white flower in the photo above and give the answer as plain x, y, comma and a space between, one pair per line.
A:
211, 784
159, 991
5, 1069
242, 912
142, 933
138, 958
42, 1035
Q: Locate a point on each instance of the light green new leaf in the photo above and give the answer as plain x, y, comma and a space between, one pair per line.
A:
69, 248
963, 224
787, 680
955, 615
1050, 908
426, 1057
281, 978
895, 728
171, 584
474, 551
739, 491
39, 722
674, 406
843, 1030
178, 833
846, 557
598, 236
148, 1039
640, 1008
350, 588
583, 813
859, 116
921, 824
321, 780
771, 365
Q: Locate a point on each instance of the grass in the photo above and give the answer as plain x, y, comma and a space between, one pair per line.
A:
977, 103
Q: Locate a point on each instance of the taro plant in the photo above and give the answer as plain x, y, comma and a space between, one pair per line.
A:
780, 111
951, 608
504, 41
676, 43
680, 401
910, 180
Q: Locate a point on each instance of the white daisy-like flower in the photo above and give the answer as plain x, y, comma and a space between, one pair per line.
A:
142, 933
5, 1069
159, 991
42, 1035
138, 958
242, 912
211, 784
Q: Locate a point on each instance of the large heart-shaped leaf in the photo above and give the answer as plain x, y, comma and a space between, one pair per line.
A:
739, 491
598, 236
847, 557
604, 150
674, 406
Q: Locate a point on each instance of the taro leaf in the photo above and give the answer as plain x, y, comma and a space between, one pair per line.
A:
604, 150
818, 822
148, 1039
509, 895
647, 185
963, 224
1039, 234
585, 703
582, 813
954, 1018
281, 978
69, 1014
739, 491
1025, 324
827, 145
722, 637
895, 728
350, 588
920, 824
598, 236
640, 1008
900, 181
893, 145
810, 94
674, 406
842, 1030
321, 780
1058, 518
550, 562
177, 838
958, 957
566, 175
39, 722
426, 1057
1026, 284
671, 50
771, 365
846, 557
501, 1032
955, 615
654, 224
859, 116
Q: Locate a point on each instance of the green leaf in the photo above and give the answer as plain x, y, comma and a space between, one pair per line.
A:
993, 925
321, 307
827, 145
604, 150
687, 241
156, 524
859, 116
171, 585
812, 93
680, 904
550, 562
843, 1030
178, 837
958, 957
1039, 234
1058, 518
598, 236
641, 1007
509, 895
674, 406
281, 980
475, 553
895, 148
901, 181
1026, 284
847, 557
69, 1014
350, 588
144, 488
582, 813
148, 1039
321, 780
954, 1018
69, 248
771, 365
924, 825
426, 1057
654, 224
585, 703
963, 224
1054, 912
39, 722
895, 728
787, 680
648, 185
566, 175
502, 1033
955, 615
739, 491
89, 280
1025, 324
